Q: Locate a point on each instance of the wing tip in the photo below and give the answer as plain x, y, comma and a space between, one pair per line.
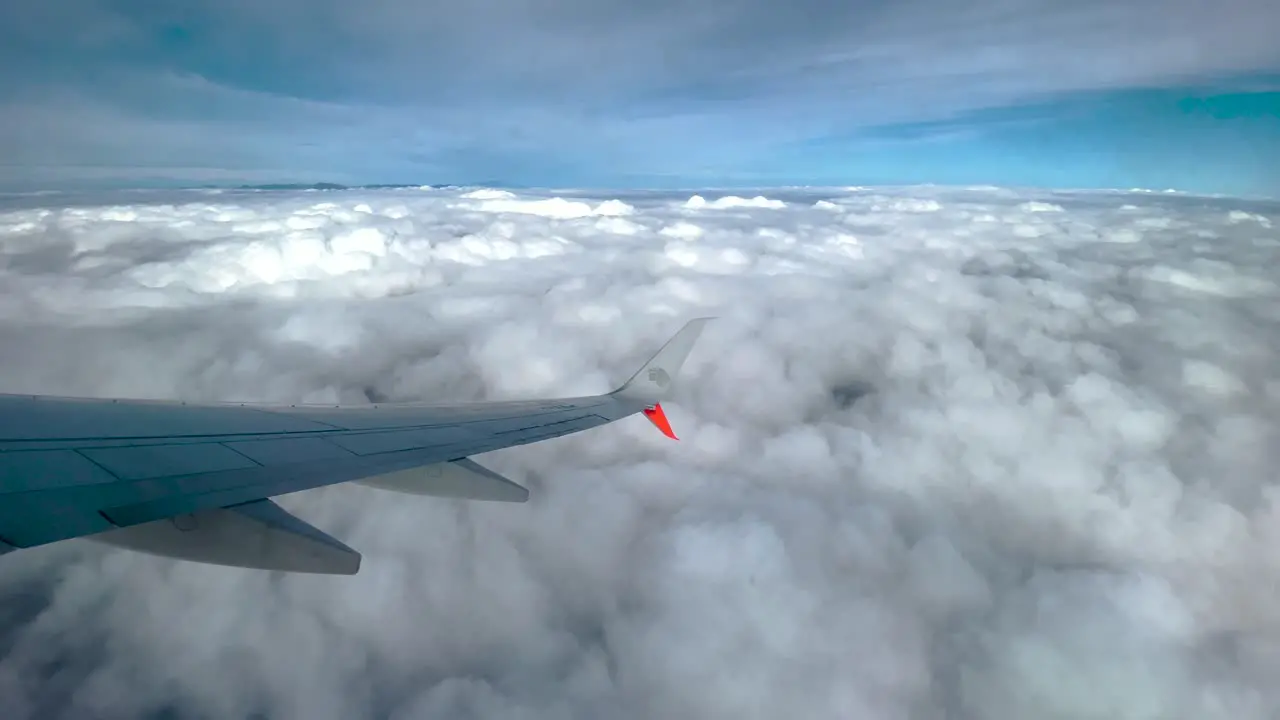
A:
653, 381
658, 417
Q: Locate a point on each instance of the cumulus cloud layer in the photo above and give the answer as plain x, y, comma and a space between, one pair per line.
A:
946, 454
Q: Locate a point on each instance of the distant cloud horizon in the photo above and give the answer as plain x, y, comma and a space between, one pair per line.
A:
1182, 94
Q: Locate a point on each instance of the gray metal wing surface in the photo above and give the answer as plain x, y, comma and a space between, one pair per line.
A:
194, 481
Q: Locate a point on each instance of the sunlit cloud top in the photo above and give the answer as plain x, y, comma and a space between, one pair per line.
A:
603, 92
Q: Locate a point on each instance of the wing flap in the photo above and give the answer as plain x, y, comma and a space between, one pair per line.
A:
45, 516
259, 535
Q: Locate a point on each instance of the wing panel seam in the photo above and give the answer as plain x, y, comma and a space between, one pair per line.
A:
95, 463
246, 457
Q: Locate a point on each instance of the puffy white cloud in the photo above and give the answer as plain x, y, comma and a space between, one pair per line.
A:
946, 454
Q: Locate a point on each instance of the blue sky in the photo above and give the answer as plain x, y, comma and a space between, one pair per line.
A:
1148, 93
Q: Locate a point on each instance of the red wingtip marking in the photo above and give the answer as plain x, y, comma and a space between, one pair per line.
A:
659, 420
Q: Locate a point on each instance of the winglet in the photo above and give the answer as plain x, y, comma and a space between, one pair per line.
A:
653, 381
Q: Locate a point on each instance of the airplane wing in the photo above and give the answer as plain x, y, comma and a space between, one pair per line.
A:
194, 481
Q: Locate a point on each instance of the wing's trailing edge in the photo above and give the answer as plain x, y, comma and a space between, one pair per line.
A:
193, 481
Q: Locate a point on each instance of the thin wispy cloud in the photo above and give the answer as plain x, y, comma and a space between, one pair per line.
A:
576, 92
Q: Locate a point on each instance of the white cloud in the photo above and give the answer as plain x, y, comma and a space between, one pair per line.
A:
500, 201
697, 202
946, 454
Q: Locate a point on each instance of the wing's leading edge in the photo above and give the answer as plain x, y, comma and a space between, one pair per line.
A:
192, 481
